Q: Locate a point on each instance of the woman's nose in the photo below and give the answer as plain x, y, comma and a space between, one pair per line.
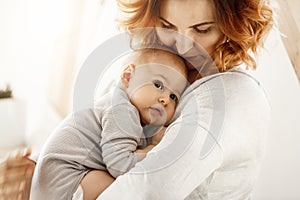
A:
183, 43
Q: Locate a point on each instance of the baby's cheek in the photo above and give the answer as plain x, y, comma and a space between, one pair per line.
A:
170, 114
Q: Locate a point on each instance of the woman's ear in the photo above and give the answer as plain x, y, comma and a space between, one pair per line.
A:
127, 74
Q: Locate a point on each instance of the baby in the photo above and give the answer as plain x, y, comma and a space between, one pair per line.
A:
94, 146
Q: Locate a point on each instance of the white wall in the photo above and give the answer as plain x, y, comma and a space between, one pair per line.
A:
280, 176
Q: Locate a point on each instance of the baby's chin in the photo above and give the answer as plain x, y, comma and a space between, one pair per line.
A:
158, 122
154, 122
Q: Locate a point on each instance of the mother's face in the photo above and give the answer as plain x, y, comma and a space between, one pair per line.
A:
194, 21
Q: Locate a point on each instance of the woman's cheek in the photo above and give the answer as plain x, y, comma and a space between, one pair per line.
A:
210, 41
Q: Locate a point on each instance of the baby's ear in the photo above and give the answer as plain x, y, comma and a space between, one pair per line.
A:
127, 74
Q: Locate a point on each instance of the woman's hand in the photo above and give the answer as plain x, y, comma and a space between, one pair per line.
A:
156, 138
16, 173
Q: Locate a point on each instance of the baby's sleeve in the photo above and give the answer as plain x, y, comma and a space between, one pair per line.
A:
121, 136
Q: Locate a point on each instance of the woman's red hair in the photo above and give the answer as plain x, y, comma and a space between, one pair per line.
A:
244, 23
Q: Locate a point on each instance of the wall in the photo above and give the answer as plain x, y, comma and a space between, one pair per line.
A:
280, 175
289, 25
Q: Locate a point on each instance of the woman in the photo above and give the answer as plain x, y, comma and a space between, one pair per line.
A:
216, 150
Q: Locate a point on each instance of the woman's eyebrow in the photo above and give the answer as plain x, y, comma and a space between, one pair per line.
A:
193, 26
201, 24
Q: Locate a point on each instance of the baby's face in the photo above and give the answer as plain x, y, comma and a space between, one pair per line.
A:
155, 89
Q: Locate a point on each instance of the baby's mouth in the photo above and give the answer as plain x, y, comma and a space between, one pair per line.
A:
156, 110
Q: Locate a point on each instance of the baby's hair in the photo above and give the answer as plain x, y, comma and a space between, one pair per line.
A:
152, 50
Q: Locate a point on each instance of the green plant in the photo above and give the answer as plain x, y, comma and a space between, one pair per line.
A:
7, 93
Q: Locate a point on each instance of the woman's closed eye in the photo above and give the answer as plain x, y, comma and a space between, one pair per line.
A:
202, 31
165, 24
158, 84
203, 28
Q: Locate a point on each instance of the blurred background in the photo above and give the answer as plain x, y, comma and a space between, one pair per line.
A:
43, 44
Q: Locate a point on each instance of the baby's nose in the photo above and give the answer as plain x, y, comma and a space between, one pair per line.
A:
164, 99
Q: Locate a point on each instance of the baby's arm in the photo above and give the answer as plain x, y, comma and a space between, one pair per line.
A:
96, 181
119, 140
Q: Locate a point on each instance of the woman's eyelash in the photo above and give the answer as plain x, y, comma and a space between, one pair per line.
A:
166, 25
202, 30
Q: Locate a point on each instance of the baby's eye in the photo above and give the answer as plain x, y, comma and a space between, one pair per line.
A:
158, 84
173, 97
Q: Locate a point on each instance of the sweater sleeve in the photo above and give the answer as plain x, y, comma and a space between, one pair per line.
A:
121, 135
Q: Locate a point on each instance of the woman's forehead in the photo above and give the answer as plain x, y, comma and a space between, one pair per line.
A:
181, 12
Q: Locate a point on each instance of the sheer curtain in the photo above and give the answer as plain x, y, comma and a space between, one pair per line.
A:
43, 45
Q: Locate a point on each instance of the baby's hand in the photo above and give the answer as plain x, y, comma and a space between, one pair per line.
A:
156, 138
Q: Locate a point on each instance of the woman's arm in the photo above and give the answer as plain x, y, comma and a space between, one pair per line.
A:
186, 156
15, 176
90, 183
221, 127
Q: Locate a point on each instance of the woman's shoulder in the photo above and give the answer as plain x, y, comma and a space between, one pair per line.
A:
235, 88
235, 75
238, 81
